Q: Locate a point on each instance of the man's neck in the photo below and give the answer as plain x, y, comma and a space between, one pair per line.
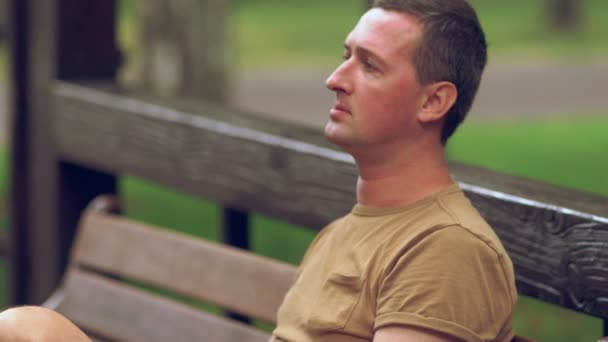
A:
400, 183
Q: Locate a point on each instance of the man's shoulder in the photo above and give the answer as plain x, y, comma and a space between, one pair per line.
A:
449, 223
463, 214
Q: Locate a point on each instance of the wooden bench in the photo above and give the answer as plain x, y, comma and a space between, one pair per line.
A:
113, 257
556, 237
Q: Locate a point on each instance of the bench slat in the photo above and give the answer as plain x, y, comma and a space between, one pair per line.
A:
219, 274
101, 305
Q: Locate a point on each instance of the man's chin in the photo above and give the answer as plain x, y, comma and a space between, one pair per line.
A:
332, 134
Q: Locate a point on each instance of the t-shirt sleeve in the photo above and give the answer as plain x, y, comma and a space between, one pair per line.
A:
451, 281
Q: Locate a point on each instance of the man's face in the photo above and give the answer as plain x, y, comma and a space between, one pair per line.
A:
377, 93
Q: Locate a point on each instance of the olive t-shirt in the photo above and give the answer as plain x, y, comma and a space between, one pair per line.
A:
435, 264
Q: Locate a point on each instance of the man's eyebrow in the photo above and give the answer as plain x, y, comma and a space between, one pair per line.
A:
365, 52
370, 54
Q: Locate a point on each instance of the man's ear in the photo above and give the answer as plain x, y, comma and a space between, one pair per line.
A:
441, 96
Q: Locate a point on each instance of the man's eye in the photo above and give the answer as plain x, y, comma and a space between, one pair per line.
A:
368, 65
345, 56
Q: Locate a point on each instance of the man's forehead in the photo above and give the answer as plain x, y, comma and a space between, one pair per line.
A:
378, 27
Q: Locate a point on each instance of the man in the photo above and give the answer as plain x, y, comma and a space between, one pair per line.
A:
413, 260
37, 324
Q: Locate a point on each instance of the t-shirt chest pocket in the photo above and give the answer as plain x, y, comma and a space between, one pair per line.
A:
336, 300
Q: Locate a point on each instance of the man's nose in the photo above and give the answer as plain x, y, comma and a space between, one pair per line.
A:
338, 81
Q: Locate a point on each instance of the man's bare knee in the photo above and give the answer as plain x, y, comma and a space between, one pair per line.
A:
34, 323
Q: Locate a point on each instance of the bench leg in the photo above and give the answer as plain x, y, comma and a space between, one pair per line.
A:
236, 233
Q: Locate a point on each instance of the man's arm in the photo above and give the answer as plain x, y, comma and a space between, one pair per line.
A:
433, 287
404, 334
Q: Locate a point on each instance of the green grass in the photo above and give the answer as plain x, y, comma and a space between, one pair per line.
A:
167, 208
568, 152
540, 321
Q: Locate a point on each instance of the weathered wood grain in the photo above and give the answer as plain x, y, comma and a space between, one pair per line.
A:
560, 255
555, 236
112, 310
232, 278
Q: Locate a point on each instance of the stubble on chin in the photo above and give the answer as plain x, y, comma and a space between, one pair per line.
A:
334, 135
330, 132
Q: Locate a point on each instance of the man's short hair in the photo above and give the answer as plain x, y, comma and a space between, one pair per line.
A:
453, 48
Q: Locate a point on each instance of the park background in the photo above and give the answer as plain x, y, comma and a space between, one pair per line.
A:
555, 131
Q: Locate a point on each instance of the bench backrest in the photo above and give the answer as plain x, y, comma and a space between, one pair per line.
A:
118, 265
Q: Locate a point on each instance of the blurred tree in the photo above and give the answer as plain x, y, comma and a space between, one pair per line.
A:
181, 48
564, 15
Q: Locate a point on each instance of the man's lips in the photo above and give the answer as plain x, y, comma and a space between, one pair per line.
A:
339, 109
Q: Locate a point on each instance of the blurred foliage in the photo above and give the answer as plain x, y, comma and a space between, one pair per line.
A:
287, 32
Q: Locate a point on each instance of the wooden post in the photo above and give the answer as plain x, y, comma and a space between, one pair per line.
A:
32, 188
4, 19
86, 43
17, 238
236, 224
79, 185
236, 233
72, 40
